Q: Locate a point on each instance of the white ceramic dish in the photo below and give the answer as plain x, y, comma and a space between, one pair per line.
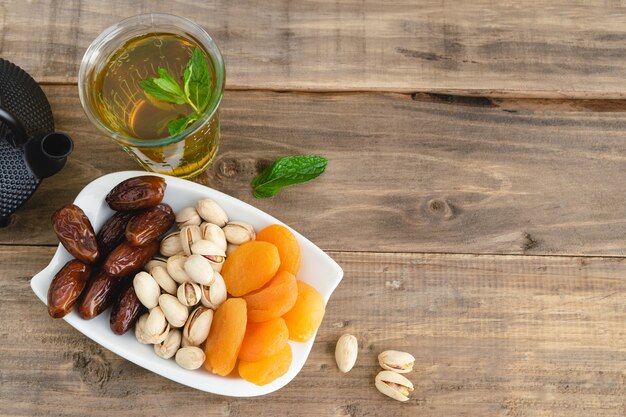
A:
318, 269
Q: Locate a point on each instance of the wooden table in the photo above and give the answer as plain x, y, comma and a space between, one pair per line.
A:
474, 198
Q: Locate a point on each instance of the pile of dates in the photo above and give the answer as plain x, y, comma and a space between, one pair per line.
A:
101, 273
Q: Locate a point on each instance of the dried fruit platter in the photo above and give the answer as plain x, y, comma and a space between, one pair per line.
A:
317, 269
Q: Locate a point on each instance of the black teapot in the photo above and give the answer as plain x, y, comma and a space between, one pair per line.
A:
30, 149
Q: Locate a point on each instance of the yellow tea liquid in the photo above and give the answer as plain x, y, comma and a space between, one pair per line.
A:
124, 106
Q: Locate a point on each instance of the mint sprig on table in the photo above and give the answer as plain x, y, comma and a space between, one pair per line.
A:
195, 90
287, 171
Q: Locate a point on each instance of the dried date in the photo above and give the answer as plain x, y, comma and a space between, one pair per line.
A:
125, 311
98, 294
150, 225
127, 259
66, 287
112, 232
137, 193
75, 233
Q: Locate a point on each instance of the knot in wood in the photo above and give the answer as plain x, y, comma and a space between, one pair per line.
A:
227, 167
94, 370
440, 208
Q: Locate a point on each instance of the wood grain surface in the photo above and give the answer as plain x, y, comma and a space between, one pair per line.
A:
465, 139
492, 335
413, 174
533, 48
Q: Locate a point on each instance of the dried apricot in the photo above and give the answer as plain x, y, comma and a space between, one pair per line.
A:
287, 245
306, 315
224, 341
274, 299
266, 370
250, 267
263, 340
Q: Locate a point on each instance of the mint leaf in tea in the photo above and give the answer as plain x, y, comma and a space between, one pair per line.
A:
155, 86
197, 82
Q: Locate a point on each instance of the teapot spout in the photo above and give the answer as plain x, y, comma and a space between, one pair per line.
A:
47, 154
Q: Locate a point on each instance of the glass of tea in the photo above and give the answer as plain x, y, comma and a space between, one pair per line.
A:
176, 129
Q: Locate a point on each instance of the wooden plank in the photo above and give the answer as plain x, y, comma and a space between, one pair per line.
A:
492, 335
547, 48
473, 176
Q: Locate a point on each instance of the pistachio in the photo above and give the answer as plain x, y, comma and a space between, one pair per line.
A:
393, 385
156, 261
199, 270
214, 295
230, 248
185, 342
175, 267
346, 351
213, 233
165, 281
188, 217
211, 212
190, 357
239, 233
156, 327
175, 313
210, 251
188, 294
167, 348
147, 289
189, 235
170, 245
394, 360
198, 325
140, 333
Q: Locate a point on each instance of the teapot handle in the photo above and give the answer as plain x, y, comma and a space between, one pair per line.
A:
20, 137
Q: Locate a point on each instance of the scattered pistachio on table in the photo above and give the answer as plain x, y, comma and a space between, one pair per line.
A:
394, 360
346, 352
393, 385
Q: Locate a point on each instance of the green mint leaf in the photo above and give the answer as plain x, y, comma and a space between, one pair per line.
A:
287, 171
151, 87
197, 81
168, 83
178, 125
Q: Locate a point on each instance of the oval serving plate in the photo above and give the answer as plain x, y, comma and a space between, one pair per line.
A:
318, 269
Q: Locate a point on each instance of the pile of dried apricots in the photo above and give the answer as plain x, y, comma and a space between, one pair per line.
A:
269, 306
